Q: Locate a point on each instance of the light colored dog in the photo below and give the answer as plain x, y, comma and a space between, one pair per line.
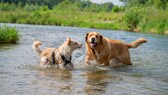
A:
107, 51
59, 57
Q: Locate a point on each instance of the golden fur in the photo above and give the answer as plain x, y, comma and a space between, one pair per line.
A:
108, 51
65, 49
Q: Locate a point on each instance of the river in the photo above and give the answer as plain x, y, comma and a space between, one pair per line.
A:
21, 74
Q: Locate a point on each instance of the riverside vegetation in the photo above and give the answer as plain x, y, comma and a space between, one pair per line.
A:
8, 34
135, 15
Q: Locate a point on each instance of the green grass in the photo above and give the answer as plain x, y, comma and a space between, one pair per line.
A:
100, 20
154, 20
8, 34
147, 19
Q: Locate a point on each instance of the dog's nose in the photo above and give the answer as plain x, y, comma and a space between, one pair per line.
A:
92, 40
80, 45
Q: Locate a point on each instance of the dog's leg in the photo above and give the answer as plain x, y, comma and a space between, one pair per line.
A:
70, 66
89, 58
125, 58
115, 62
45, 62
62, 66
56, 66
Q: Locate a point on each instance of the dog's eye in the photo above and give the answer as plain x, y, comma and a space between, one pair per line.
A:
75, 42
96, 36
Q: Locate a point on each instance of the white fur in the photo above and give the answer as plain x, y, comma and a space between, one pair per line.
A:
65, 49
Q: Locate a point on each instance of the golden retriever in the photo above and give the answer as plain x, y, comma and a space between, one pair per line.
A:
107, 51
59, 57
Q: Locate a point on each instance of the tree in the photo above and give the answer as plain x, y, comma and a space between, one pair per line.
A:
124, 1
157, 3
49, 3
107, 7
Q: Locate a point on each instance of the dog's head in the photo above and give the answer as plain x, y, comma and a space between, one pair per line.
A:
94, 39
73, 44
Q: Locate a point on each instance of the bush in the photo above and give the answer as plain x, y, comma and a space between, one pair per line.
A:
7, 7
116, 9
13, 17
67, 5
132, 18
154, 20
8, 34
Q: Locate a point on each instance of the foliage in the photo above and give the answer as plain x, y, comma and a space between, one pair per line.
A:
8, 34
49, 3
157, 3
146, 15
67, 5
116, 9
132, 18
82, 4
7, 7
154, 21
135, 15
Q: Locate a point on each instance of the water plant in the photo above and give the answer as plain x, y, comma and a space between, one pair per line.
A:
8, 34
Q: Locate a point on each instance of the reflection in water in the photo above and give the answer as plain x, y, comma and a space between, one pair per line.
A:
97, 81
4, 47
57, 74
54, 80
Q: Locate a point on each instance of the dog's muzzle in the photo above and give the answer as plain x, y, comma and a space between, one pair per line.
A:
80, 46
93, 42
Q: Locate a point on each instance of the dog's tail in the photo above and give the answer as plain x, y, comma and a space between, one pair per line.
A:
36, 48
136, 43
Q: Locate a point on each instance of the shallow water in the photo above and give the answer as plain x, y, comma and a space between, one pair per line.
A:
21, 74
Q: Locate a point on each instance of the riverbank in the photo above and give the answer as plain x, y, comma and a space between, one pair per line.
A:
64, 18
110, 21
148, 19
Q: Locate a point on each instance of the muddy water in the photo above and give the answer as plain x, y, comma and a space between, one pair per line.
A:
20, 73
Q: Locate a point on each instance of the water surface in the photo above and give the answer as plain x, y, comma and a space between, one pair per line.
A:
21, 74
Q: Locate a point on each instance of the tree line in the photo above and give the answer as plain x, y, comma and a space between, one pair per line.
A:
81, 4
157, 3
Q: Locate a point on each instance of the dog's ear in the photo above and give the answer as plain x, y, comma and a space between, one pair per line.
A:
68, 40
86, 37
101, 39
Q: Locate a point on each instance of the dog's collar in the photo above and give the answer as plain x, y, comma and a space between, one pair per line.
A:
53, 58
65, 60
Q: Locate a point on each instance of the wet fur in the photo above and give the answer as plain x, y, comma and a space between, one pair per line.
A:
109, 51
66, 49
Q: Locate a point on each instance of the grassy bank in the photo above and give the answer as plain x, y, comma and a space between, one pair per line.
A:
8, 34
149, 19
65, 18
